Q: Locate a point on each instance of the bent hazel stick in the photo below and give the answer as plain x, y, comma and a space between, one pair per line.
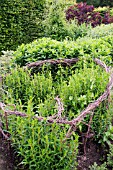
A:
67, 62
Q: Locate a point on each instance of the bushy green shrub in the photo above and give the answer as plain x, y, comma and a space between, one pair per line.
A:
110, 157
5, 62
55, 23
90, 2
111, 11
56, 26
80, 86
98, 3
46, 48
101, 31
41, 145
39, 86
20, 22
97, 167
102, 10
100, 48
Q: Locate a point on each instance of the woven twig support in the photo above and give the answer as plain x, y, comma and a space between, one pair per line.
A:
57, 118
65, 62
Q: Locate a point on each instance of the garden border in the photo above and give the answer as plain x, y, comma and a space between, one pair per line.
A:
57, 118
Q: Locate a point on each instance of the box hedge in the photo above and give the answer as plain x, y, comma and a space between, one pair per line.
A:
20, 22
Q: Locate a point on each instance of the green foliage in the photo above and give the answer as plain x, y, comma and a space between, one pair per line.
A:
106, 165
36, 87
110, 157
101, 120
103, 10
56, 26
55, 23
47, 48
98, 3
5, 62
101, 31
80, 86
106, 3
100, 48
96, 167
44, 48
111, 11
108, 136
40, 144
20, 22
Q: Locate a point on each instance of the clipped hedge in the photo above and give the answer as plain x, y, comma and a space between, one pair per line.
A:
47, 48
20, 22
101, 31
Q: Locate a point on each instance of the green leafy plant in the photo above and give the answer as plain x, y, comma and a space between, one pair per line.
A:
20, 22
5, 62
108, 136
47, 48
98, 3
56, 26
42, 49
101, 31
41, 146
96, 167
102, 10
110, 157
80, 86
40, 142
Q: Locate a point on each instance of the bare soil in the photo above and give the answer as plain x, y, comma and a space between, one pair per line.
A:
6, 158
94, 153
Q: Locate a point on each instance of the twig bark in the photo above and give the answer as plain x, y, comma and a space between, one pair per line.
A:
4, 135
60, 107
66, 62
87, 134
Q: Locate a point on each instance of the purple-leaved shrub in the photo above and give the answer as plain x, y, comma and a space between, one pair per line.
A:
84, 13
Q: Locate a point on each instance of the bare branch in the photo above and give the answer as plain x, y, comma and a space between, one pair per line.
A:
65, 62
4, 135
60, 106
102, 64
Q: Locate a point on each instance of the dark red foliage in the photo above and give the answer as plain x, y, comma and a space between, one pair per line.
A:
84, 13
